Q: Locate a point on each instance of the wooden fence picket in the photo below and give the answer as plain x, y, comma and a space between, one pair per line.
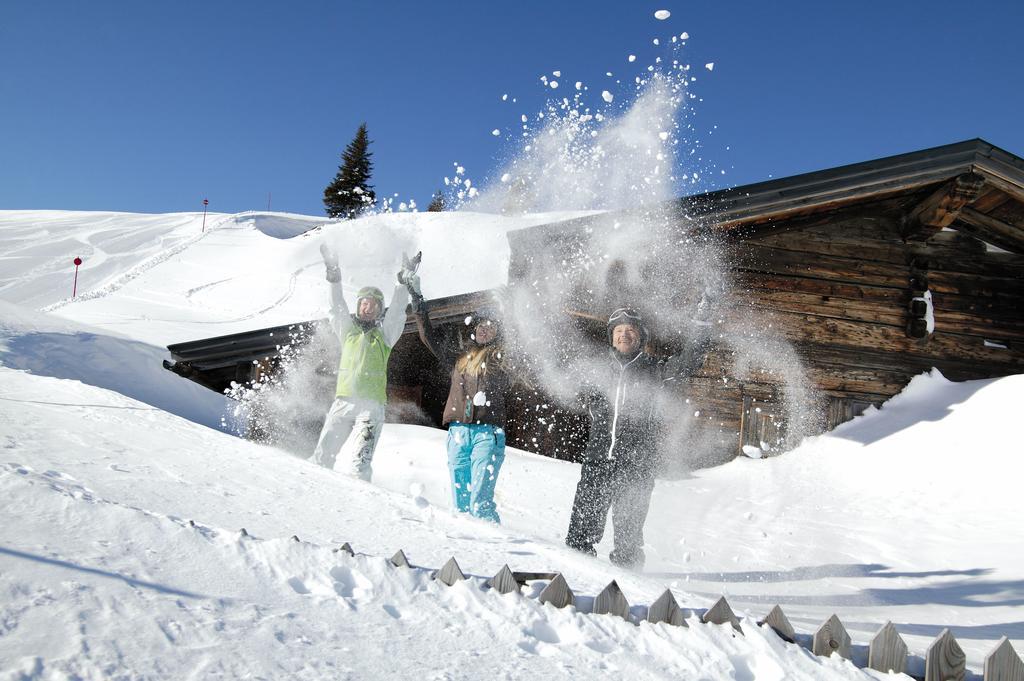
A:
721, 613
557, 593
945, 659
830, 638
450, 573
779, 623
399, 559
611, 601
1003, 663
888, 652
667, 610
504, 582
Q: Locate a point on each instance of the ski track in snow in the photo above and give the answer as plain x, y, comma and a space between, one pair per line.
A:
192, 291
289, 293
277, 303
140, 269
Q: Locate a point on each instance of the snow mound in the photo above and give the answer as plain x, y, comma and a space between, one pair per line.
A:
45, 345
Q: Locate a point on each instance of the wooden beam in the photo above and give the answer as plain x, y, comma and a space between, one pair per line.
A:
941, 208
997, 232
1010, 186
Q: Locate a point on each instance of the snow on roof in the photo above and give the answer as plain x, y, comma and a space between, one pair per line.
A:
163, 279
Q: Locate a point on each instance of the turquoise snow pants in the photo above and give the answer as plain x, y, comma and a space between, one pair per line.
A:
475, 455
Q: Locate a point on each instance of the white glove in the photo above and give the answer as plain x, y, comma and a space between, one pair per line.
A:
702, 315
407, 275
331, 261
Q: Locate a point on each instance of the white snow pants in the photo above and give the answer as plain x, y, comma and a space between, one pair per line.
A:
351, 430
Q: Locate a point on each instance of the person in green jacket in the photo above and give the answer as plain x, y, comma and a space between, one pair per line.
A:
356, 416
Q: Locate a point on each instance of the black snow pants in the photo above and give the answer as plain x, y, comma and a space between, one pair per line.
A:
623, 486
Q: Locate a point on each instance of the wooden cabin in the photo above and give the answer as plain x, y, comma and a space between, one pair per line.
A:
873, 273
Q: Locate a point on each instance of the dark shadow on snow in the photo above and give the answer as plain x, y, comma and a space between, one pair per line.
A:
964, 593
100, 573
933, 406
978, 632
799, 574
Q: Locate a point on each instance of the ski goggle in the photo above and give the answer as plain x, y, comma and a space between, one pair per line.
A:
625, 315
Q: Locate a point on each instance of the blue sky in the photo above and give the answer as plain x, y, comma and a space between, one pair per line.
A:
150, 107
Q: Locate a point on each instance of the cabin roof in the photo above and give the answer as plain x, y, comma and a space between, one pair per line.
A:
247, 346
858, 181
995, 175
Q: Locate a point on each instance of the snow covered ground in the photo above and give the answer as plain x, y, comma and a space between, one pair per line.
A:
909, 514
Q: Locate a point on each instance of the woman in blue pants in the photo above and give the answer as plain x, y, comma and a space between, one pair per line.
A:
475, 410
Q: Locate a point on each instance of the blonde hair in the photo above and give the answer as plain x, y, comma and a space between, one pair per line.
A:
475, 360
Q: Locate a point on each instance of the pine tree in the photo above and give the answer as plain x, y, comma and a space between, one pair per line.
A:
436, 203
350, 192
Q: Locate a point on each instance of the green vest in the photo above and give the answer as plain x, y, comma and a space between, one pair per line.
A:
363, 371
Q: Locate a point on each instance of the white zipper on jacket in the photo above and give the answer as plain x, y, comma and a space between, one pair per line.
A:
615, 415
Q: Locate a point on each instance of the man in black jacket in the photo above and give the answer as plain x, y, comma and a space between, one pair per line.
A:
621, 456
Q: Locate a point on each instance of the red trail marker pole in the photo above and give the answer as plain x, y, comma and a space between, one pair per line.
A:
204, 213
74, 287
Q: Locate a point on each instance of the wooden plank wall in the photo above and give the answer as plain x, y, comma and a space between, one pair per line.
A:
846, 287
840, 291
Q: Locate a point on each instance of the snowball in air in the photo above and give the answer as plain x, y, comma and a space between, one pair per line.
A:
607, 96
553, 84
710, 66
506, 177
632, 57
662, 14
495, 132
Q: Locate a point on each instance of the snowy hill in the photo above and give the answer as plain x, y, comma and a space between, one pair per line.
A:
161, 279
909, 514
